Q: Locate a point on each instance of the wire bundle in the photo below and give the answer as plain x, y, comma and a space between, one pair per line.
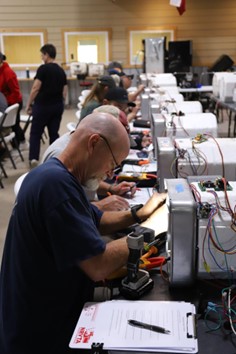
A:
210, 236
217, 316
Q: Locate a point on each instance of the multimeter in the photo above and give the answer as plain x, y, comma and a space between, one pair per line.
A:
131, 176
143, 179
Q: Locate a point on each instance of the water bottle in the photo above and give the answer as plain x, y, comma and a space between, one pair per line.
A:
27, 73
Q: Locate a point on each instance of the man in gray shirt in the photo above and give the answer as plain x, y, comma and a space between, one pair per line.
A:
113, 192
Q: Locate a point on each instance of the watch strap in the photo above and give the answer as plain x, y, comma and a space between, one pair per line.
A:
134, 210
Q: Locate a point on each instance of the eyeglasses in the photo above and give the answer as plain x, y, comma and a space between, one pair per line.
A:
109, 147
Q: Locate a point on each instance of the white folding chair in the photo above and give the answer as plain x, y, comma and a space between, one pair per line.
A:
71, 126
27, 120
85, 93
18, 183
2, 174
8, 120
77, 114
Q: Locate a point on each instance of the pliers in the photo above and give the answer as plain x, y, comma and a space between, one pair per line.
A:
147, 262
152, 262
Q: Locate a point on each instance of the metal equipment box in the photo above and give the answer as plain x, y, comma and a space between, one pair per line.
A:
182, 233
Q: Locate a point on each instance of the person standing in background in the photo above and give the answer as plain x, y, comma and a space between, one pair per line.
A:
46, 101
10, 88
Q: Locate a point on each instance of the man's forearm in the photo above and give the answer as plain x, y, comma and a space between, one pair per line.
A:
113, 221
113, 258
33, 93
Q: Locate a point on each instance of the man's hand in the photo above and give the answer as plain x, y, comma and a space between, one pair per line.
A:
156, 200
28, 109
141, 88
123, 188
146, 141
112, 203
134, 110
158, 221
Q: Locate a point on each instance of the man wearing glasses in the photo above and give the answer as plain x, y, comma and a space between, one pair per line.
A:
53, 250
110, 194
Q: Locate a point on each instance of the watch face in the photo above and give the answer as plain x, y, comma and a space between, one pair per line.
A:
138, 206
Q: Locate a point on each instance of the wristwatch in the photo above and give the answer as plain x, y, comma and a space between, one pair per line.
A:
134, 210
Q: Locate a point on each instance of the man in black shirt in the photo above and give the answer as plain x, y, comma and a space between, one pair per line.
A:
48, 94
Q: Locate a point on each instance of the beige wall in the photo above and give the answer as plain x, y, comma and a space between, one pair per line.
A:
210, 24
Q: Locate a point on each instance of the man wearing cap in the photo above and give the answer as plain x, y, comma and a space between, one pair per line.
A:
114, 65
126, 81
119, 97
96, 96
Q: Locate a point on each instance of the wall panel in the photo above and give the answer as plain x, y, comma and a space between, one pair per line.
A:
209, 24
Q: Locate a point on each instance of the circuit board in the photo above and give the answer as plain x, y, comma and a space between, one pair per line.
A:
217, 185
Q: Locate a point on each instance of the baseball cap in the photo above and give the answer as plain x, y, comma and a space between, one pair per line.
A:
131, 76
120, 95
107, 108
106, 81
114, 71
120, 73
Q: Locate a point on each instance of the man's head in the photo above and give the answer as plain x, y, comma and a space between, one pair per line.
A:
106, 80
2, 57
97, 146
48, 51
116, 112
126, 80
114, 65
118, 97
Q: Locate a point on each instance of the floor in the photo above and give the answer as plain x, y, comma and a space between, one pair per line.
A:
7, 195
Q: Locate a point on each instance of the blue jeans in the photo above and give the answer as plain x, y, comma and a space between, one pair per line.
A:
44, 116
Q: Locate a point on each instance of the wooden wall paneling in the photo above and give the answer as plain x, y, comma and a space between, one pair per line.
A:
209, 24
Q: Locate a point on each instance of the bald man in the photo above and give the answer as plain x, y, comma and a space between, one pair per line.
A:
114, 200
53, 250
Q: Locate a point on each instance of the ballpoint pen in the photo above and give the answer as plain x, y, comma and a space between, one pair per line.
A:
150, 327
135, 185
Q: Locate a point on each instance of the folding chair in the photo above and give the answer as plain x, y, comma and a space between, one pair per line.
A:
8, 120
2, 174
18, 183
71, 126
27, 120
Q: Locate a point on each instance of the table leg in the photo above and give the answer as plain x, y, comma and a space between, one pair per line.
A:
234, 131
230, 117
